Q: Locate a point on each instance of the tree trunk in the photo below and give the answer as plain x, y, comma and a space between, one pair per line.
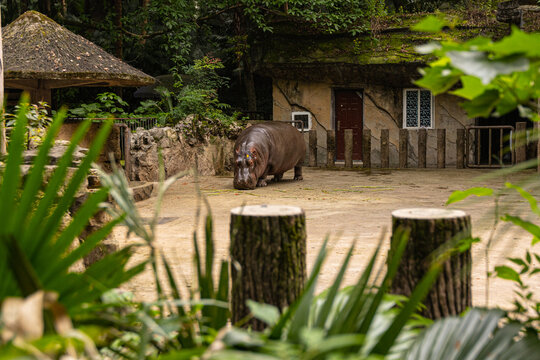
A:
268, 244
3, 147
249, 84
430, 231
118, 47
348, 140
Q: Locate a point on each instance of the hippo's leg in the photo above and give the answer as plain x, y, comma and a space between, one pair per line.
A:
262, 181
298, 172
277, 177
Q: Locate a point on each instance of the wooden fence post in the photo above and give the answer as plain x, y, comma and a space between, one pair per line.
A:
403, 144
521, 141
422, 148
460, 148
312, 148
441, 148
430, 231
330, 148
348, 148
268, 253
385, 148
366, 148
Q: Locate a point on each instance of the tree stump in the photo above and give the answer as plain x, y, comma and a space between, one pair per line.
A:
268, 251
429, 230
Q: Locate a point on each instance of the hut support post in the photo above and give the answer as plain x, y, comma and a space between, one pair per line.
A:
268, 246
434, 232
3, 147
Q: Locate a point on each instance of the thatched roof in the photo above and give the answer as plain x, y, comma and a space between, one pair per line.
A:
39, 53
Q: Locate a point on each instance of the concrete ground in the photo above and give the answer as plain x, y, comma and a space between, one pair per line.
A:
347, 206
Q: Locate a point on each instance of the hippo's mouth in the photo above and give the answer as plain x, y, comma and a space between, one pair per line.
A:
243, 186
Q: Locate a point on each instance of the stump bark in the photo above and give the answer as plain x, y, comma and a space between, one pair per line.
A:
268, 246
431, 229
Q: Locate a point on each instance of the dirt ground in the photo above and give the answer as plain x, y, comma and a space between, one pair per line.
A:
347, 206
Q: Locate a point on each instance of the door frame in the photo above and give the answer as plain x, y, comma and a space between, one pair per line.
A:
361, 92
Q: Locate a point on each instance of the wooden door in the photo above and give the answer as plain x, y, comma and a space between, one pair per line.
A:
348, 112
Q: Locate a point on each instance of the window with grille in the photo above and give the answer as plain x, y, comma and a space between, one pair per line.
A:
304, 117
417, 108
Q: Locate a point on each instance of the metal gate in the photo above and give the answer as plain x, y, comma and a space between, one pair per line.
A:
489, 146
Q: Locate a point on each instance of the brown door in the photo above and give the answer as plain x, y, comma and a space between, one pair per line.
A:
348, 116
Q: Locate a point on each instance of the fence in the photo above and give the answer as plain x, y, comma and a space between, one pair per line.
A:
475, 146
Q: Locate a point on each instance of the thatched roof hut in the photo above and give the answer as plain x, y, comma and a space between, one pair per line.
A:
40, 55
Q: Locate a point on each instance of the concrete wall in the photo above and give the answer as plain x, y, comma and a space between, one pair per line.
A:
383, 109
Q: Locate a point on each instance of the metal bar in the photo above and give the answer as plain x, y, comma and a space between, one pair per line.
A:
489, 142
501, 144
478, 149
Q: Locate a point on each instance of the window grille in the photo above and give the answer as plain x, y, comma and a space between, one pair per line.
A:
418, 109
304, 117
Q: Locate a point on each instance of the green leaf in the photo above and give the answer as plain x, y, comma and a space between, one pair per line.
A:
460, 195
471, 87
430, 24
507, 273
438, 79
526, 225
269, 314
519, 42
482, 105
527, 196
480, 65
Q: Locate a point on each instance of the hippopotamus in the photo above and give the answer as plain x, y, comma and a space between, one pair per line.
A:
269, 148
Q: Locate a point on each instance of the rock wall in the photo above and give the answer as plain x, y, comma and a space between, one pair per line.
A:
214, 156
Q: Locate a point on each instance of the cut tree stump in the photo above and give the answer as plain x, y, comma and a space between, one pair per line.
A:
429, 230
268, 252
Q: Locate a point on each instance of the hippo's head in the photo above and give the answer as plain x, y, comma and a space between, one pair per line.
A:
246, 163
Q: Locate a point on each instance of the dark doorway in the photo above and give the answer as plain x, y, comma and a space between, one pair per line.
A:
348, 112
483, 152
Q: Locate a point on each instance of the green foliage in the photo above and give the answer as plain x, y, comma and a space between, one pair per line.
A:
37, 244
38, 121
477, 335
195, 108
175, 322
108, 104
494, 77
360, 322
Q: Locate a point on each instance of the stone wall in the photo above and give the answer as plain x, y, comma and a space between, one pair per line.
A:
383, 109
214, 156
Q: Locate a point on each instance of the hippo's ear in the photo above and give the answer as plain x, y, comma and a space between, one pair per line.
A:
237, 151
